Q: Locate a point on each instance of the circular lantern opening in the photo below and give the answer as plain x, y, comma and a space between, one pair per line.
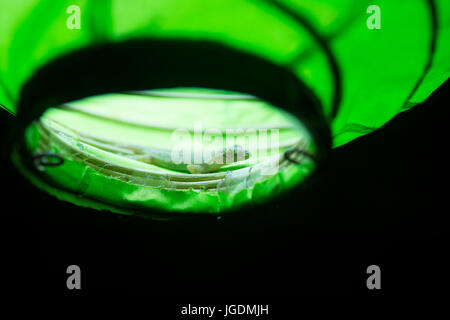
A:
182, 149
213, 130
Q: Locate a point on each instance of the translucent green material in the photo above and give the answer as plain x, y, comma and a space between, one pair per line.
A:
90, 133
379, 68
362, 77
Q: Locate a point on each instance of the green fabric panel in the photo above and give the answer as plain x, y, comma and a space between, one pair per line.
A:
12, 14
380, 68
33, 43
440, 67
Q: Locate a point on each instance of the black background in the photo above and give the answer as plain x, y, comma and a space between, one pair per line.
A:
381, 199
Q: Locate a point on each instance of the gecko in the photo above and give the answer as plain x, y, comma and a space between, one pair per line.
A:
219, 159
163, 158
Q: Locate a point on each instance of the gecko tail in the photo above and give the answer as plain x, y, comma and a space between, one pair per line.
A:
195, 169
141, 158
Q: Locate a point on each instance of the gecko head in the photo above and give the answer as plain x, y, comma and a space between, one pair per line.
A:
237, 153
230, 155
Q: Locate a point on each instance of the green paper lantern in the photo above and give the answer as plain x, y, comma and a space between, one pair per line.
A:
91, 80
